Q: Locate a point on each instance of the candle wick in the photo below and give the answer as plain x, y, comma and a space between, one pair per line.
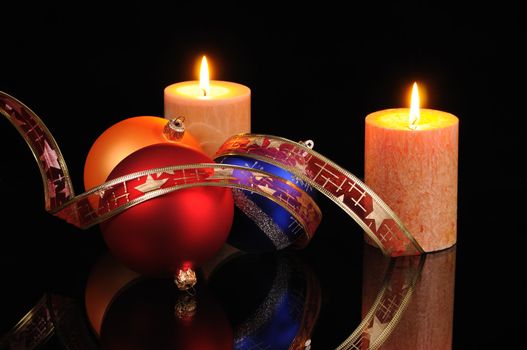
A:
204, 92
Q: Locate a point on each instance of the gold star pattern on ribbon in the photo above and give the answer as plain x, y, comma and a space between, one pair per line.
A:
378, 214
49, 157
150, 184
376, 329
267, 189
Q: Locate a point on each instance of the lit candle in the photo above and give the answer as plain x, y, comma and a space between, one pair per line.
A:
411, 161
213, 110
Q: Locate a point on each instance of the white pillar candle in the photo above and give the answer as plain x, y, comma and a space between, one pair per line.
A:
213, 110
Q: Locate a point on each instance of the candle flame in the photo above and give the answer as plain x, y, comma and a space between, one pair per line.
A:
415, 113
204, 82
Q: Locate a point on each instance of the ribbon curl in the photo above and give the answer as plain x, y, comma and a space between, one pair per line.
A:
378, 221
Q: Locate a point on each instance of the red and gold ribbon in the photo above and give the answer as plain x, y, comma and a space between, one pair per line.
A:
346, 190
342, 187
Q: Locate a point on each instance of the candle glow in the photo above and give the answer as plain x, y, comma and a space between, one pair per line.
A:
411, 157
214, 110
415, 113
204, 79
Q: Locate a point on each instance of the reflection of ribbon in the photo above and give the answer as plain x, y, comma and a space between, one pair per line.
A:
427, 321
53, 314
347, 191
65, 316
34, 329
390, 303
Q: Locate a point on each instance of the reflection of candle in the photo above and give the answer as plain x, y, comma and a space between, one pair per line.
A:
428, 320
213, 110
411, 159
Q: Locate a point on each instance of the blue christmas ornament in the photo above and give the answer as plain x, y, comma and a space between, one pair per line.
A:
275, 227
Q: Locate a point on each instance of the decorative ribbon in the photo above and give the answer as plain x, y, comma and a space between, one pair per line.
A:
346, 190
113, 196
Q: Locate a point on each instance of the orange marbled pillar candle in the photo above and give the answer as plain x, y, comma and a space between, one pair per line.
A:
413, 168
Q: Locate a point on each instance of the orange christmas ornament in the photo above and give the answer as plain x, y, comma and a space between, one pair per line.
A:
172, 233
126, 137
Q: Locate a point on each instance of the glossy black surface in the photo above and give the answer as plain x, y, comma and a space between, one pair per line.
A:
84, 69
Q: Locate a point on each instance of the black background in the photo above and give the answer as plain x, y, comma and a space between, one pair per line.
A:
315, 72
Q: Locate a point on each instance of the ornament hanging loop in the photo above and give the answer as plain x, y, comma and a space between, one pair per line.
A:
308, 143
175, 129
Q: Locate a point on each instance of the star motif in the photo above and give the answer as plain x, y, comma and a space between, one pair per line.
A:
51, 189
151, 184
267, 189
257, 141
221, 173
169, 172
254, 165
49, 157
274, 144
66, 191
409, 274
302, 166
376, 329
19, 122
378, 214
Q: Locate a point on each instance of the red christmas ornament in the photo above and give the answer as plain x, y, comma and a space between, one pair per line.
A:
173, 232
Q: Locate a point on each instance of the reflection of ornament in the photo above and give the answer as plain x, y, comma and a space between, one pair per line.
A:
145, 316
128, 311
121, 140
278, 228
186, 306
172, 232
107, 278
280, 305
